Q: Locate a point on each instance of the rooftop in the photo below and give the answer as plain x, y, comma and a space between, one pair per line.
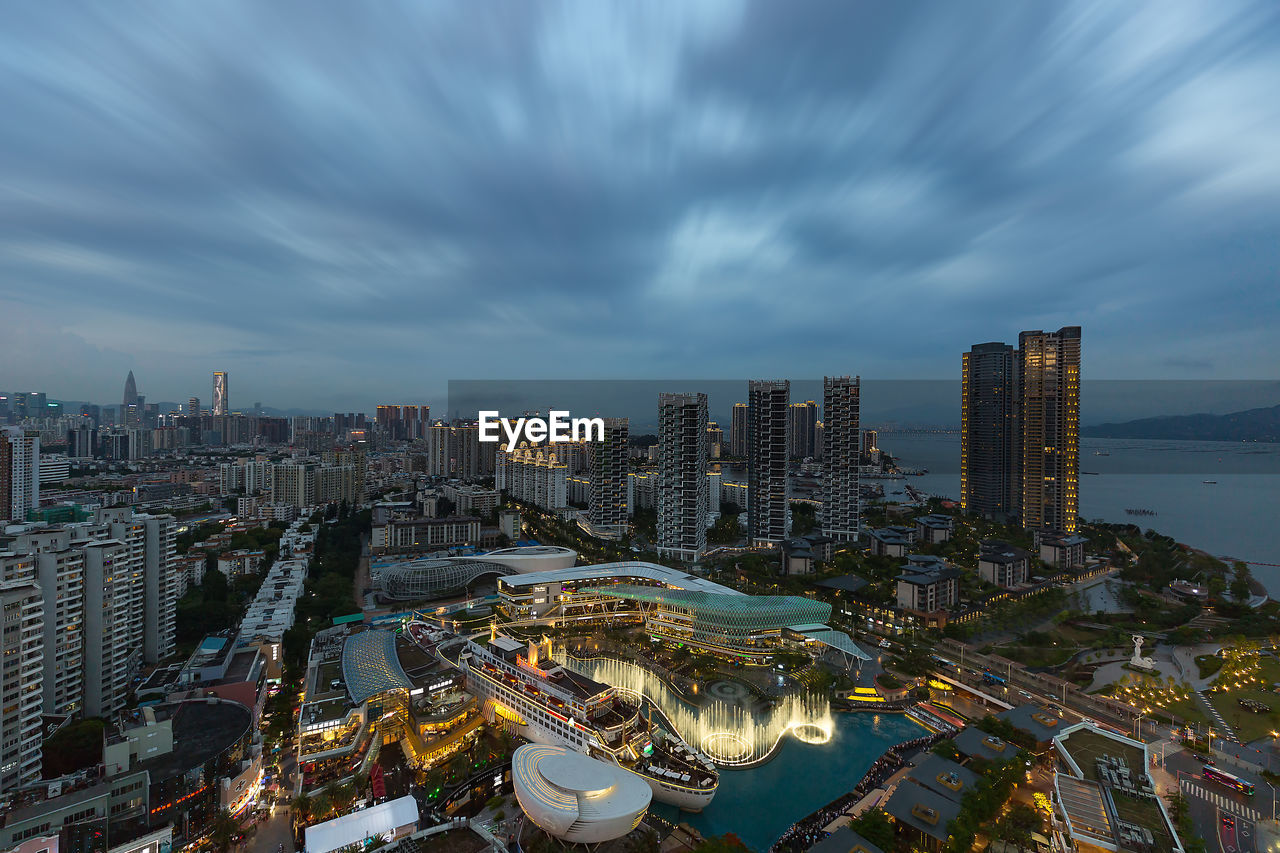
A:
370, 665
675, 578
1035, 721
844, 583
202, 729
359, 826
974, 742
944, 777
777, 611
922, 809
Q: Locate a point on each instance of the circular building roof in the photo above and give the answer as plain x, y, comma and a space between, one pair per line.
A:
418, 580
577, 798
203, 730
533, 558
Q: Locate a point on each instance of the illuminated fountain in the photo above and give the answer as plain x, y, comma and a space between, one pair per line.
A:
730, 735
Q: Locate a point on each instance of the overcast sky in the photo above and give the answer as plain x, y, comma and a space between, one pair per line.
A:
346, 204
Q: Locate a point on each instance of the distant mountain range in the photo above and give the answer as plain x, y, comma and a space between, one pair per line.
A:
1250, 425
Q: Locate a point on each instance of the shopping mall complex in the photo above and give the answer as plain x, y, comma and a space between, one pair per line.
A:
676, 607
368, 687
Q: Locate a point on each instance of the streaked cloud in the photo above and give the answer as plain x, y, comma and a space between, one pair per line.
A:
346, 204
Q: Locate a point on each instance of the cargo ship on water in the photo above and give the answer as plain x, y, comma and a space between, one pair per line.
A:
541, 700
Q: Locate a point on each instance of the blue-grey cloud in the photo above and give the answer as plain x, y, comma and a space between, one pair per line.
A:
341, 204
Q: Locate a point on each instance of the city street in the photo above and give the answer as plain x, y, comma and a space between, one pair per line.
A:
276, 833
1208, 802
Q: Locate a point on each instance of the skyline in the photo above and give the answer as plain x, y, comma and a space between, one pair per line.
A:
445, 191
906, 403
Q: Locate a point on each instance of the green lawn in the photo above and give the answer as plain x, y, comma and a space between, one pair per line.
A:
1036, 656
1187, 710
1248, 725
1208, 664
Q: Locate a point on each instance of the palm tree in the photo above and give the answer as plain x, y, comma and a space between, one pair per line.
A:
333, 791
222, 830
321, 804
433, 780
459, 766
300, 807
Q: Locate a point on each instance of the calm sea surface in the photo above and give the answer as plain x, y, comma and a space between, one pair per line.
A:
1233, 517
761, 803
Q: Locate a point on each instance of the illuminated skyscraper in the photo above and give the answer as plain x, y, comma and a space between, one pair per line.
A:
1048, 365
220, 394
682, 475
193, 406
767, 445
1020, 430
841, 403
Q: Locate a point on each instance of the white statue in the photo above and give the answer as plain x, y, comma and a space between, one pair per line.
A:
1138, 660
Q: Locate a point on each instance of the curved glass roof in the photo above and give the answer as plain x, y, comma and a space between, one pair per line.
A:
431, 577
370, 665
760, 611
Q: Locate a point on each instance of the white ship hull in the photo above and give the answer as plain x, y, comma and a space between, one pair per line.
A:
543, 731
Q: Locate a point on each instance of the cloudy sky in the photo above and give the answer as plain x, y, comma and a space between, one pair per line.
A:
346, 204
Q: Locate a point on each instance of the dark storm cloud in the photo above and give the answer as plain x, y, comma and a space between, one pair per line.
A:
350, 202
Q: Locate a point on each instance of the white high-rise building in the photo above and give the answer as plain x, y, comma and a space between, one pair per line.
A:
533, 475
21, 683
61, 574
114, 601
840, 457
110, 590
19, 472
45, 558
682, 475
160, 580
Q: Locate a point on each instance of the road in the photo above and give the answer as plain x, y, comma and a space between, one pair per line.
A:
276, 833
1209, 802
1236, 835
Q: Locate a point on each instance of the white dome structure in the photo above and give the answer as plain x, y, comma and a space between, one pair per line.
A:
576, 798
533, 558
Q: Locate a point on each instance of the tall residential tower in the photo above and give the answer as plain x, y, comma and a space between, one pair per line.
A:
738, 431
19, 472
988, 470
682, 475
1048, 367
840, 457
767, 445
1020, 430
607, 508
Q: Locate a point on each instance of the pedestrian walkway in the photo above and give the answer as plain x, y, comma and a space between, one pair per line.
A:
1225, 731
1224, 803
